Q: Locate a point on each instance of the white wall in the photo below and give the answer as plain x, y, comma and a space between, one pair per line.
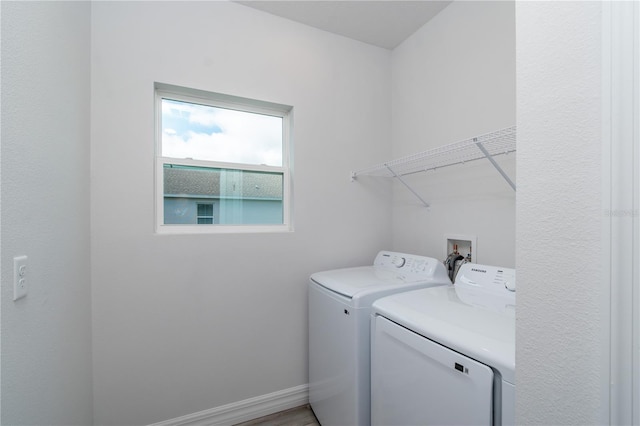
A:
46, 337
190, 322
560, 371
452, 80
185, 323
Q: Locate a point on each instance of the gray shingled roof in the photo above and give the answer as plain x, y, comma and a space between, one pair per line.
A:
193, 181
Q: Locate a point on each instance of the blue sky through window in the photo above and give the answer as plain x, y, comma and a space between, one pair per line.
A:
203, 132
177, 118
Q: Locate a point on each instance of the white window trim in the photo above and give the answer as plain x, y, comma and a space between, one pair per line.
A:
233, 102
620, 388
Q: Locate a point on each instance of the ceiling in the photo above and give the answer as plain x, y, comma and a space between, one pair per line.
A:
383, 23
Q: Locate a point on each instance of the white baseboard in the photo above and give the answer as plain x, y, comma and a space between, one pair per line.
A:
242, 411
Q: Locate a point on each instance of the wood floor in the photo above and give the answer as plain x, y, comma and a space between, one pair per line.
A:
299, 416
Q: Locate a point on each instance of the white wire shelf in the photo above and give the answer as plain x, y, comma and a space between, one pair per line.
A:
500, 142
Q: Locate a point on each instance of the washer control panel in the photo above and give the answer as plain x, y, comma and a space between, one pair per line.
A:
410, 266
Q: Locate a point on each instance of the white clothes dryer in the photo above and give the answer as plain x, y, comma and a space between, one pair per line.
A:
339, 330
446, 355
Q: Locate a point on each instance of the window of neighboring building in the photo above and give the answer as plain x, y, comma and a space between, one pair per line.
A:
205, 214
221, 161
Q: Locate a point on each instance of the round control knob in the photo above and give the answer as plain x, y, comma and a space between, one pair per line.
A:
399, 262
510, 285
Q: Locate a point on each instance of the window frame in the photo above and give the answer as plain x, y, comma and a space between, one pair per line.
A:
201, 97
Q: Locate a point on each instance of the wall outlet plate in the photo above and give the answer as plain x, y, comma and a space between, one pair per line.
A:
19, 277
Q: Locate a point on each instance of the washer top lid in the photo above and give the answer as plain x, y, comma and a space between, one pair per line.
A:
460, 318
390, 270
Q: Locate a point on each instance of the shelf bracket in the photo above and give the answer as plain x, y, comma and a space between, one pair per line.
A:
395, 175
496, 165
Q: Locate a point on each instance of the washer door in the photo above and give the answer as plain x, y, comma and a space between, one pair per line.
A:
415, 381
334, 379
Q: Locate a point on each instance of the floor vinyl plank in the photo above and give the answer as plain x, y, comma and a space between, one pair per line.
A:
299, 416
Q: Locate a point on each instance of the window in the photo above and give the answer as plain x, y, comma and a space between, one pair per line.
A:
222, 163
205, 214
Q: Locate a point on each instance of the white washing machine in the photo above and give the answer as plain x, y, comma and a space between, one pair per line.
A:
446, 355
339, 330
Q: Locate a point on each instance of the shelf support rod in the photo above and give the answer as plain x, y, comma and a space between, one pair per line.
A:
496, 165
395, 175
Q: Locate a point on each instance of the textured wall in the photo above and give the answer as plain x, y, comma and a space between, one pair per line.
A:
184, 323
452, 80
46, 337
559, 214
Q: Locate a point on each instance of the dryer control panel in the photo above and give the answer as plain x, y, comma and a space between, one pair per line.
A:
411, 266
489, 278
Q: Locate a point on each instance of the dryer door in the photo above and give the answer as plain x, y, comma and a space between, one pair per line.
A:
415, 381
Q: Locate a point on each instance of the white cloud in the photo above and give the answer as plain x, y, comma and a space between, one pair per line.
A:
243, 137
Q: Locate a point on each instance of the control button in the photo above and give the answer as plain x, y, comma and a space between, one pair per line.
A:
510, 285
399, 262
